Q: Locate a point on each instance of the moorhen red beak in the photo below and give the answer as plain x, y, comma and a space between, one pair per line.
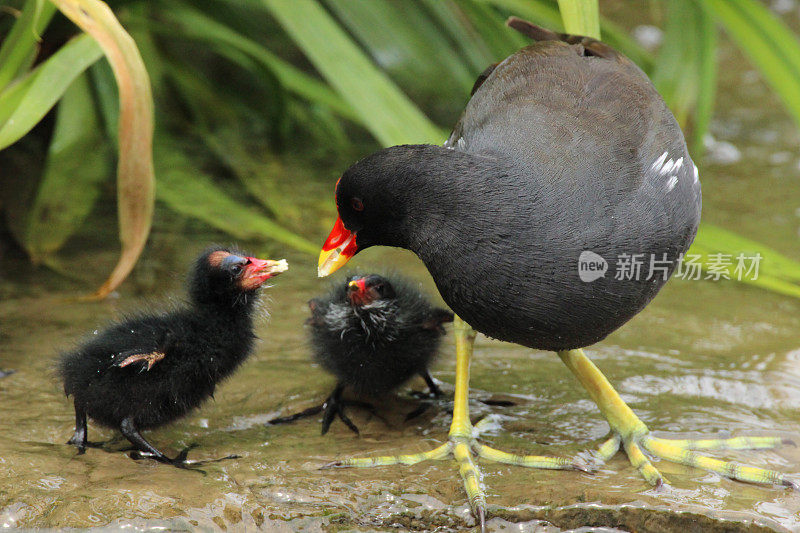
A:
257, 271
338, 248
564, 151
358, 293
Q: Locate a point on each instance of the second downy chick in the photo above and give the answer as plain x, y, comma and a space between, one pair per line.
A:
373, 334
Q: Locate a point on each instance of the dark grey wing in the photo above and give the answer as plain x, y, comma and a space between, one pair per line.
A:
552, 94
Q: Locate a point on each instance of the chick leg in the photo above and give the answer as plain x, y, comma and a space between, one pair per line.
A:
629, 432
335, 406
128, 429
462, 443
433, 392
311, 411
80, 436
432, 386
332, 407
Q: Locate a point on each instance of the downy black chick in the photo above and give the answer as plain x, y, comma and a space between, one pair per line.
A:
373, 334
153, 368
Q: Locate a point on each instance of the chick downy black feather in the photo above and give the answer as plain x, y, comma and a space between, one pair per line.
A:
373, 334
150, 369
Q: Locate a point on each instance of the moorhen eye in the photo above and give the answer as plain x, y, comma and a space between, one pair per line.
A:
357, 204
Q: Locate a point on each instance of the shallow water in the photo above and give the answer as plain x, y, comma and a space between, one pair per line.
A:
705, 359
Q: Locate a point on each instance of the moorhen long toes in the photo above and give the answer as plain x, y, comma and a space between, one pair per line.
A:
565, 155
373, 334
153, 368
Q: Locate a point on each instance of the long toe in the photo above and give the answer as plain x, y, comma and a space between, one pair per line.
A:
311, 411
422, 408
346, 419
682, 452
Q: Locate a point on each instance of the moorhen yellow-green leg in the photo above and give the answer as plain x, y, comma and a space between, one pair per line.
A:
462, 442
627, 432
630, 433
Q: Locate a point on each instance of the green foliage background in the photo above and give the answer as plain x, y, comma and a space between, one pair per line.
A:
247, 90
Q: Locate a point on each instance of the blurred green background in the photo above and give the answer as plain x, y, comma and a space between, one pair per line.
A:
258, 102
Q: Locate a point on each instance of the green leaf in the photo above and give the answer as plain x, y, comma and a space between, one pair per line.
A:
382, 108
77, 163
24, 103
407, 44
581, 17
195, 25
105, 90
19, 47
454, 22
685, 73
135, 177
188, 191
713, 239
771, 46
499, 38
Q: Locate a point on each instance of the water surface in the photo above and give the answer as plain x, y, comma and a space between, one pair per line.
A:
705, 359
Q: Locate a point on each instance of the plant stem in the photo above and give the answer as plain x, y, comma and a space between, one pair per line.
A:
581, 17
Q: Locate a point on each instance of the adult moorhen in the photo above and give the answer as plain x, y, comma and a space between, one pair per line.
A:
152, 368
373, 334
565, 159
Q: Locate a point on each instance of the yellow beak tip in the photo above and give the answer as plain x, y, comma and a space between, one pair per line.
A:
330, 261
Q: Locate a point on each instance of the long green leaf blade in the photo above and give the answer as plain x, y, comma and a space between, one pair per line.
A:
196, 25
771, 46
407, 44
77, 163
384, 110
454, 22
581, 17
19, 46
685, 73
26, 102
188, 191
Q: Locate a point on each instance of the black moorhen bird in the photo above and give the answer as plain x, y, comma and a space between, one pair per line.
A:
373, 334
565, 155
150, 369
